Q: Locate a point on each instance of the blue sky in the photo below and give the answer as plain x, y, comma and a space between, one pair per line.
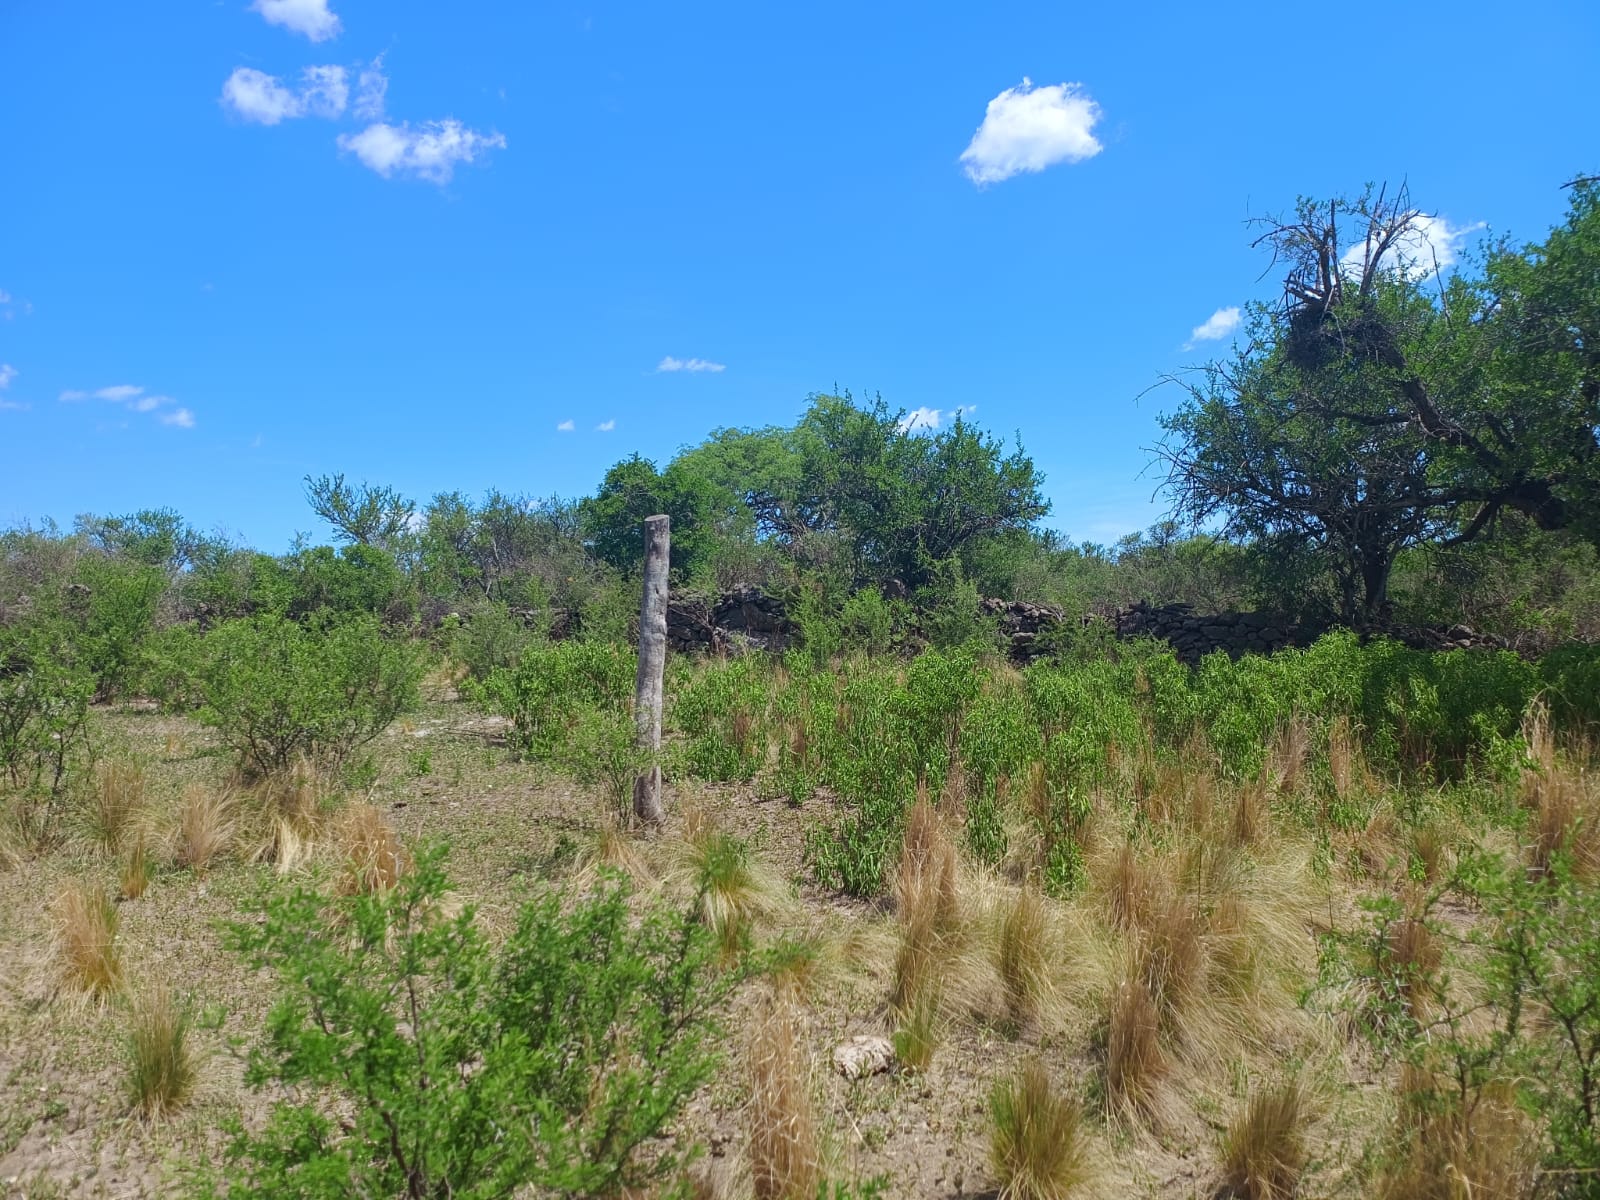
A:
243, 242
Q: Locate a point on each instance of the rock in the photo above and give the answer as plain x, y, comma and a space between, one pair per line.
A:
863, 1055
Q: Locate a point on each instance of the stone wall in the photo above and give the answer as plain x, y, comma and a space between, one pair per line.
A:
751, 619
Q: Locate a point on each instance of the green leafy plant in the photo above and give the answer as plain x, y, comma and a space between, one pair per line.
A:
278, 691
452, 1067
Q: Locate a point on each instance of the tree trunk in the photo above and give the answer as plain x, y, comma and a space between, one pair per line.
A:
647, 690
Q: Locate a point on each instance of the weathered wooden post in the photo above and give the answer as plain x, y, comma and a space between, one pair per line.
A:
647, 688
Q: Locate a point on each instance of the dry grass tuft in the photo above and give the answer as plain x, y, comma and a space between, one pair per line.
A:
161, 1066
116, 802
1132, 890
1410, 957
1135, 1063
785, 1150
1251, 816
374, 859
1287, 761
1038, 1147
1172, 956
920, 1030
734, 893
1023, 955
1450, 1151
135, 877
927, 895
86, 942
288, 814
208, 822
1264, 1150
1343, 757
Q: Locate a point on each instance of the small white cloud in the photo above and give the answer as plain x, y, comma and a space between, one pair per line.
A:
690, 364
266, 99
309, 17
1215, 327
72, 396
430, 151
372, 86
566, 426
180, 417
606, 426
13, 405
1431, 245
118, 392
7, 374
1028, 129
929, 419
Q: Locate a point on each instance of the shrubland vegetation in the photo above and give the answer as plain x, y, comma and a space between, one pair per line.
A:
1317, 923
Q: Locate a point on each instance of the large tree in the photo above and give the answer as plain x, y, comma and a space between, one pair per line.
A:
1375, 406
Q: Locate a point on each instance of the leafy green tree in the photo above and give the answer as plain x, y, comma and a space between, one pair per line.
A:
1306, 441
551, 1064
632, 490
365, 513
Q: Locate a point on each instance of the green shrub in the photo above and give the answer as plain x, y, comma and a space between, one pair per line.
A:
112, 607
490, 638
553, 1062
552, 685
44, 713
278, 691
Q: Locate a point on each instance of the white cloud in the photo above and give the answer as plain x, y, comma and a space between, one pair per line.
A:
1028, 129
430, 151
372, 86
928, 419
265, 99
7, 374
606, 426
14, 406
1432, 244
309, 17
181, 417
1215, 327
134, 399
325, 91
72, 396
566, 426
690, 364
118, 392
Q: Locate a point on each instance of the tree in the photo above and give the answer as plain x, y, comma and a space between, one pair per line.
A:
632, 490
365, 514
1318, 438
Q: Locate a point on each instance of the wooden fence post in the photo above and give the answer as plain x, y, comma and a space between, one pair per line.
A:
647, 688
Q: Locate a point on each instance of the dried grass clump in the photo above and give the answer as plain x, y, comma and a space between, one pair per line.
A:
1023, 955
734, 892
86, 948
1286, 764
374, 860
1133, 890
1344, 757
1264, 1150
1038, 1147
1409, 960
1135, 1063
1449, 1151
920, 1030
1172, 955
785, 1149
116, 802
1251, 816
161, 1066
135, 877
288, 814
927, 895
208, 822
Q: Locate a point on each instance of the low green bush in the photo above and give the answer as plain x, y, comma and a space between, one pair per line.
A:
451, 1066
277, 691
44, 712
552, 684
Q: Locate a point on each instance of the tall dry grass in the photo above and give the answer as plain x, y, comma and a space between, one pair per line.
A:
784, 1142
370, 850
1264, 1152
161, 1068
1038, 1146
86, 951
